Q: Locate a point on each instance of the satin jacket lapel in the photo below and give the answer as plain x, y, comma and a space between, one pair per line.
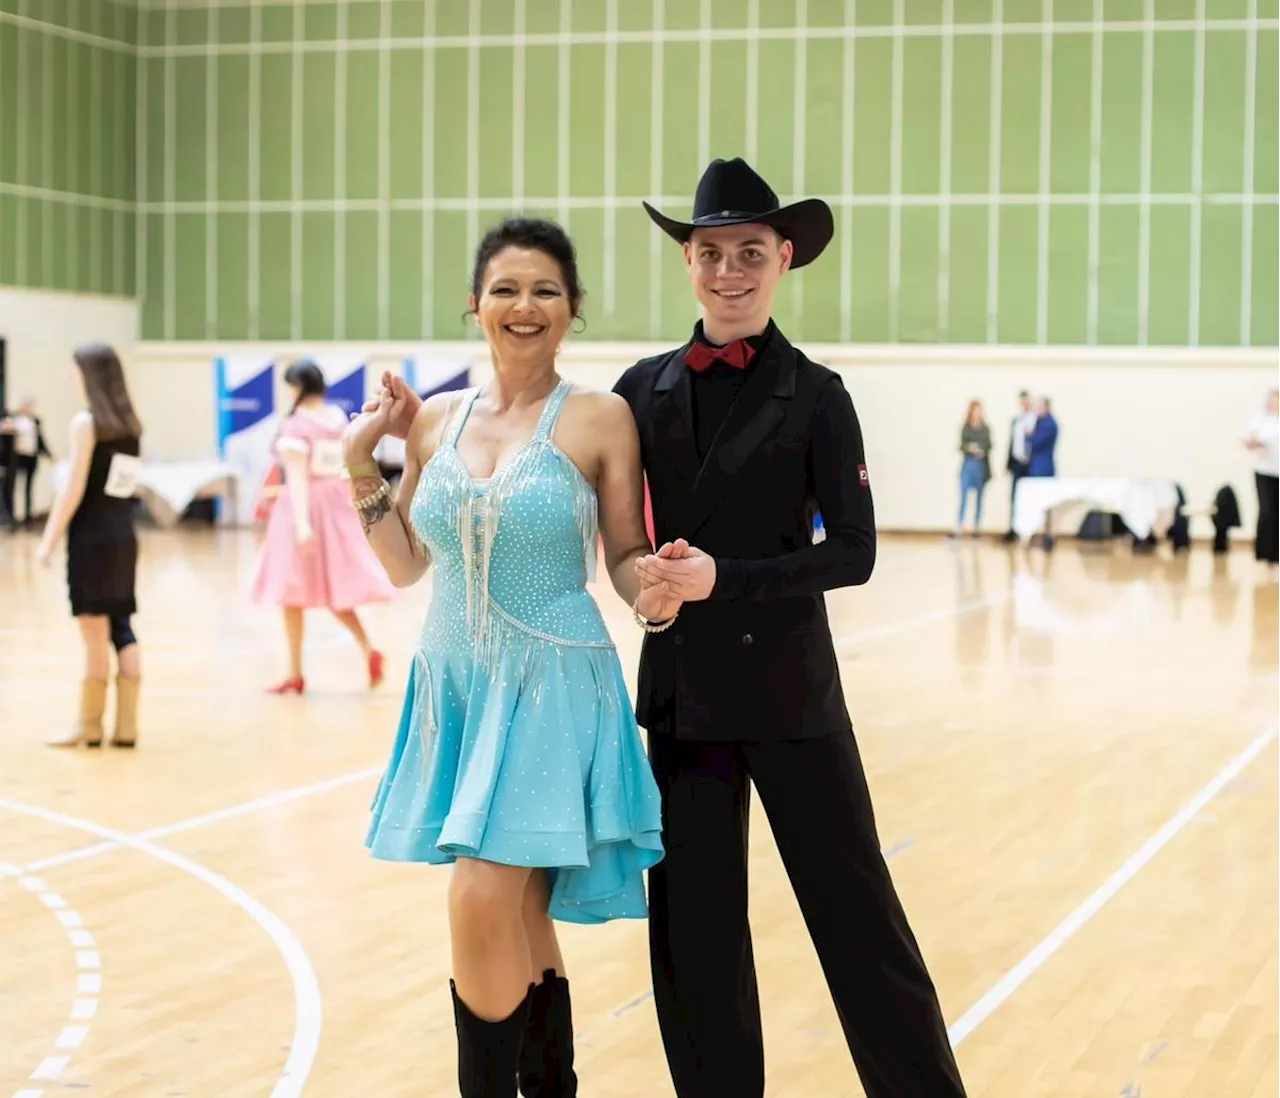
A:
755, 415
673, 446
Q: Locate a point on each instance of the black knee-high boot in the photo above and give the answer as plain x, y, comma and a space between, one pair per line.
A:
546, 1057
488, 1052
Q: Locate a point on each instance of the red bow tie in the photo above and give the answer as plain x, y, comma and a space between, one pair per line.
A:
737, 354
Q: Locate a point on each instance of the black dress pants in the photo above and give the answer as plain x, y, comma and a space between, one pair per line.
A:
814, 793
26, 465
1017, 470
1266, 545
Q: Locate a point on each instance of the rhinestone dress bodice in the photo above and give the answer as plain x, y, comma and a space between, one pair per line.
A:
511, 554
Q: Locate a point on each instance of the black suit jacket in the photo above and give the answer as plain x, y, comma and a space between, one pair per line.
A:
756, 660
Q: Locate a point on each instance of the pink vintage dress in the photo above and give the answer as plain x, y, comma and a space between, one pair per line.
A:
338, 570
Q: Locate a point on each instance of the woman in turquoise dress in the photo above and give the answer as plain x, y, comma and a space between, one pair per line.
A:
517, 757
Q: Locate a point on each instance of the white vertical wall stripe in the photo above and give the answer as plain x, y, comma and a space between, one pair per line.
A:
340, 178
944, 178
895, 173
1144, 169
384, 171
1095, 174
297, 76
211, 64
428, 175
1044, 174
657, 100
1197, 179
995, 123
846, 173
1246, 184
611, 156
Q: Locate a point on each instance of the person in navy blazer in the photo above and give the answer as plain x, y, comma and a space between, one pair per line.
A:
1042, 442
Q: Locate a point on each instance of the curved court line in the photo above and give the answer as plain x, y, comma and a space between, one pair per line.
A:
88, 982
306, 988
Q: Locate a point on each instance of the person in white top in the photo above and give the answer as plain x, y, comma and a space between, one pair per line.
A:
1263, 442
1016, 464
28, 447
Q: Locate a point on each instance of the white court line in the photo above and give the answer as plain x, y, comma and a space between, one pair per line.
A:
269, 801
83, 1009
1060, 935
875, 633
306, 988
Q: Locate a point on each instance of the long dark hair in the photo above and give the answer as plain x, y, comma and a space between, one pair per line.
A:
109, 403
309, 379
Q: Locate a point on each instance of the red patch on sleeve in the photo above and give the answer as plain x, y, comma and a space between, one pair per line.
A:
863, 478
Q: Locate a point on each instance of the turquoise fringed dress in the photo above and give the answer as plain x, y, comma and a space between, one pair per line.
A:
517, 741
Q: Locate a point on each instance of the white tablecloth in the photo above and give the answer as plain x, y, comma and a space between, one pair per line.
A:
167, 487
1145, 506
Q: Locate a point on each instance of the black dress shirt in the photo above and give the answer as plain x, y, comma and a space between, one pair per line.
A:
716, 388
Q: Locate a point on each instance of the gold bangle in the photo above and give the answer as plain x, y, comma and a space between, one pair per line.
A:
651, 626
362, 469
365, 502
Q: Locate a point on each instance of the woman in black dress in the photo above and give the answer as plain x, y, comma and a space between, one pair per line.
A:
94, 508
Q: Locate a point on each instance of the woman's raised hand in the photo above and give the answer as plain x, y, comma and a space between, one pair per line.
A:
366, 429
404, 405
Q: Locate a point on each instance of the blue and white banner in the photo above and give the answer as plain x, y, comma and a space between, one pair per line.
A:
426, 375
345, 377
245, 402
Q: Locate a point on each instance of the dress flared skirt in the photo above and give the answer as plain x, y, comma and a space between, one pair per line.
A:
539, 763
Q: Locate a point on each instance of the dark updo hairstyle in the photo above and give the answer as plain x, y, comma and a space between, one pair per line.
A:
309, 379
537, 234
109, 403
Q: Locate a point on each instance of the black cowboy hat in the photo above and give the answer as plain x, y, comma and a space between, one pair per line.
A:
731, 193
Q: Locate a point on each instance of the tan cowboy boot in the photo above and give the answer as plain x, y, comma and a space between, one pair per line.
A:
93, 701
125, 733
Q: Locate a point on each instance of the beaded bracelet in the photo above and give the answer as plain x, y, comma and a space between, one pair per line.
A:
651, 626
367, 506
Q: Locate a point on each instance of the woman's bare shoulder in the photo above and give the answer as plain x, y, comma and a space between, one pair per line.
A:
600, 407
430, 419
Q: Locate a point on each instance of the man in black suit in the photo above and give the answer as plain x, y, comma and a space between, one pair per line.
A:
23, 436
744, 440
8, 472
1019, 457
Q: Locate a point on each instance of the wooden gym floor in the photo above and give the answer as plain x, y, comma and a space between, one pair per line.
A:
1073, 760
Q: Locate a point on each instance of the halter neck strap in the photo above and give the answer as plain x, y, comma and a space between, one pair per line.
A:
551, 411
546, 421
460, 419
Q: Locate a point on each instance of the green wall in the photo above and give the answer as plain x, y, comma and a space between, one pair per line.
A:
322, 170
68, 82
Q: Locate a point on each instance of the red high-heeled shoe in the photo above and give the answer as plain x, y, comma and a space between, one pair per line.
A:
375, 668
289, 686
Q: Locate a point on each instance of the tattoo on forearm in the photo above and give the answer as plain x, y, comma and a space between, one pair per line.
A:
373, 514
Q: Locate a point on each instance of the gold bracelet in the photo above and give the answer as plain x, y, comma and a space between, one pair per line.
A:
362, 469
365, 502
651, 626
